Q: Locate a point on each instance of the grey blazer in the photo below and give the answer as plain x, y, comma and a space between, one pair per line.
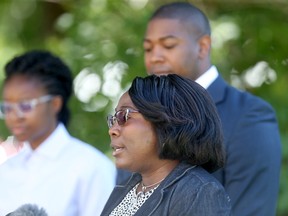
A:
185, 191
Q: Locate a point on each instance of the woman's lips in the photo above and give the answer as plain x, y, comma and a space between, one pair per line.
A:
18, 131
117, 150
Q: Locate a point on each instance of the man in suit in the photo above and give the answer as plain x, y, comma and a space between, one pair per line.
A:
178, 40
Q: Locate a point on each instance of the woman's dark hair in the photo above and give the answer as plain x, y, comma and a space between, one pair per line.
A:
185, 119
49, 70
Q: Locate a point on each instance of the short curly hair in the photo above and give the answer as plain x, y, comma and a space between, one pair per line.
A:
49, 70
187, 13
185, 119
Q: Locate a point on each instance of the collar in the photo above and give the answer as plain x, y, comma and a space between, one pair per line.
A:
175, 174
208, 77
120, 191
53, 145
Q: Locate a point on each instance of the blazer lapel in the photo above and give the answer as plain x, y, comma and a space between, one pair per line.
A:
217, 89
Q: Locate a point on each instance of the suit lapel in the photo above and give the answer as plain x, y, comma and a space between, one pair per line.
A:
217, 90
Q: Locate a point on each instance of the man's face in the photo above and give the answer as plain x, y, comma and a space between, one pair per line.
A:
170, 47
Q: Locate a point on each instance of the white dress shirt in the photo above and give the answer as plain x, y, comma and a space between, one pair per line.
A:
9, 148
3, 154
208, 77
64, 175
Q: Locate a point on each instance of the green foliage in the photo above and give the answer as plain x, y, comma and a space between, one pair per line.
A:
102, 40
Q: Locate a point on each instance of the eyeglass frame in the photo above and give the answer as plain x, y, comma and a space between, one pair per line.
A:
20, 110
112, 119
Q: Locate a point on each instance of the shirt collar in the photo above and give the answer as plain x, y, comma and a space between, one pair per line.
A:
52, 146
208, 77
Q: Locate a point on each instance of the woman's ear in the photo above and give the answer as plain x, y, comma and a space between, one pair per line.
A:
57, 103
205, 46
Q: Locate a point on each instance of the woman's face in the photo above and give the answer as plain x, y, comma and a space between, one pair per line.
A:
134, 143
35, 125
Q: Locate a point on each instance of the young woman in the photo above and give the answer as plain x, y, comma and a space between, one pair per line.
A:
54, 170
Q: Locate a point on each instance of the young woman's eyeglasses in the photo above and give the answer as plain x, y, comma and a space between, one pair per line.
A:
22, 107
120, 116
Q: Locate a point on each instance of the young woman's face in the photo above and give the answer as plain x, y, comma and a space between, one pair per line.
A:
134, 143
33, 125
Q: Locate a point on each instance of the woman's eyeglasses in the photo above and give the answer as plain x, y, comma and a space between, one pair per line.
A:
22, 107
120, 116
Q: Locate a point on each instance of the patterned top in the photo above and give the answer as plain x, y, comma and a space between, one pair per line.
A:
132, 202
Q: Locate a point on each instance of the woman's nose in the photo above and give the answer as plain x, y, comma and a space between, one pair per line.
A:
114, 131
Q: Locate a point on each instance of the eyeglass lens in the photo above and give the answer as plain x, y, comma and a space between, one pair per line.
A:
22, 107
120, 116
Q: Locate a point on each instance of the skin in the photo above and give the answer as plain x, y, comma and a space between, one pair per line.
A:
173, 46
38, 124
135, 142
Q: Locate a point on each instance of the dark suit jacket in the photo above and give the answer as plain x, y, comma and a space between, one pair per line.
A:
253, 148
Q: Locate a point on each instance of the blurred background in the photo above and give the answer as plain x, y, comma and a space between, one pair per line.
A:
101, 41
